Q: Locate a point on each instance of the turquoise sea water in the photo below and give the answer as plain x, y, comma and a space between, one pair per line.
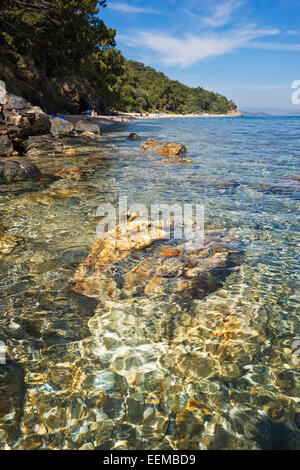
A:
222, 373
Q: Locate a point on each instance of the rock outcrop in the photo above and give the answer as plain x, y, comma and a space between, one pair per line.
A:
13, 170
23, 120
170, 149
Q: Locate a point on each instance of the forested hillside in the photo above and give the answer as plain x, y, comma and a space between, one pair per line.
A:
145, 89
60, 55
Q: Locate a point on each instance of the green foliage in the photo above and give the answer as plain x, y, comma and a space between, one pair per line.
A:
67, 38
145, 89
64, 38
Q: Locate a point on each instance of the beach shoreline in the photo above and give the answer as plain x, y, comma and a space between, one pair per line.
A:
130, 117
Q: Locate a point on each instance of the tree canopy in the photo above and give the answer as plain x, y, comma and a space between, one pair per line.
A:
68, 38
145, 89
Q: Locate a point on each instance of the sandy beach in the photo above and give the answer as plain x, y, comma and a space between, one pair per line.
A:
129, 117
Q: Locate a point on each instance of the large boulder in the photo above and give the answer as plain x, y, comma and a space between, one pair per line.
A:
23, 120
169, 149
13, 170
138, 259
61, 126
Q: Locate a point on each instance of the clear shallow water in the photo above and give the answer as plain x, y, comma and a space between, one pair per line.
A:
219, 373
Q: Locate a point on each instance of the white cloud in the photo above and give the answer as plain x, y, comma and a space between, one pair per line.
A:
187, 50
221, 14
276, 46
292, 32
126, 8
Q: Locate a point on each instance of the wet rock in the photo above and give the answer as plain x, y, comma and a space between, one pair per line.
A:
47, 145
85, 126
61, 126
139, 262
170, 149
6, 146
12, 170
23, 120
133, 136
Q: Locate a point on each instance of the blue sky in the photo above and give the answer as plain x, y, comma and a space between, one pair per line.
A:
248, 50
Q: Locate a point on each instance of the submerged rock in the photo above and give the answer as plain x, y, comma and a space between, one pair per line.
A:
11, 401
285, 185
142, 261
133, 136
217, 182
72, 172
8, 243
170, 149
13, 170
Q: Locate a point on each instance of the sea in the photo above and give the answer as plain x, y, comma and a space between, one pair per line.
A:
214, 372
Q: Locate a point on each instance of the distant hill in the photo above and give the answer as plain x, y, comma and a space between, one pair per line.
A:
145, 89
271, 111
259, 114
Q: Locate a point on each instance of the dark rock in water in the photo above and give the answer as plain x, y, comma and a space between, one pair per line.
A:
12, 170
47, 145
23, 120
133, 136
139, 262
285, 186
61, 126
6, 147
85, 126
170, 149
